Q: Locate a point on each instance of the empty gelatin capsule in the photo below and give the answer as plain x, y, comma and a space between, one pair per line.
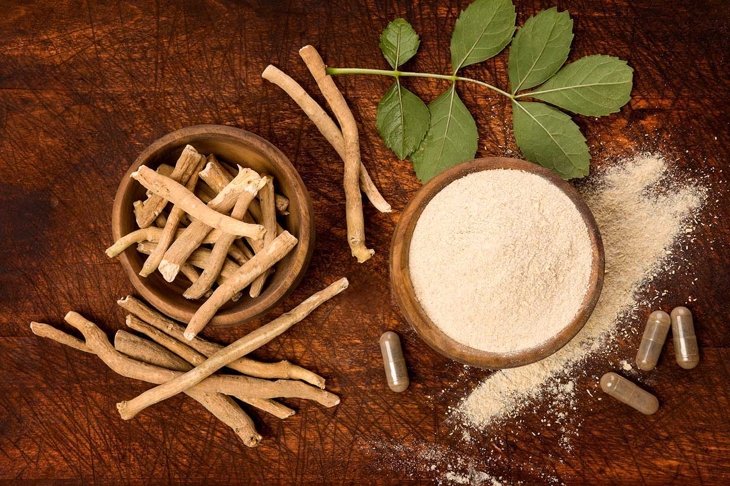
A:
395, 364
686, 351
629, 393
655, 333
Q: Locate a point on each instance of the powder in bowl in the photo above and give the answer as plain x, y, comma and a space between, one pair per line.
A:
500, 260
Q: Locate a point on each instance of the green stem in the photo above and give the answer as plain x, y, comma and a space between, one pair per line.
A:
408, 74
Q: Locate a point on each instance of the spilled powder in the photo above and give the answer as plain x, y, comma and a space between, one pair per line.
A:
640, 221
494, 249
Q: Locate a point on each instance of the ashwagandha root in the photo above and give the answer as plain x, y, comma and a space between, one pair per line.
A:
167, 169
216, 177
162, 169
222, 407
96, 343
282, 204
353, 199
326, 127
147, 211
148, 352
170, 228
153, 235
221, 248
49, 332
238, 349
190, 272
250, 367
180, 350
267, 199
239, 252
154, 354
177, 194
197, 232
243, 277
238, 386
204, 193
198, 259
160, 221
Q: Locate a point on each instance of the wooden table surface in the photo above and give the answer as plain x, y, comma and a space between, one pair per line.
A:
84, 87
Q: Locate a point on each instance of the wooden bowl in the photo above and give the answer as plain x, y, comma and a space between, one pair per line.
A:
405, 295
238, 147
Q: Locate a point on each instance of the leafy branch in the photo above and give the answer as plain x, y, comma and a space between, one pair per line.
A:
444, 133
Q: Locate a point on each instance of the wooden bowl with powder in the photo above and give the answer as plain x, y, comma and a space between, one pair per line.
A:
497, 263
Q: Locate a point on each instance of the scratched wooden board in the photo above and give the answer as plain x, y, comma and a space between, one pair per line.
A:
84, 87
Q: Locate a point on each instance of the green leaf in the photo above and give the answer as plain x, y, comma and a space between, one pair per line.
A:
594, 85
481, 32
540, 47
452, 136
402, 120
549, 137
399, 42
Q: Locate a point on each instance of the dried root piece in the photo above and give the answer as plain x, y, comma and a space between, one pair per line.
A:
153, 235
282, 204
197, 232
192, 274
186, 200
353, 199
198, 259
221, 406
160, 221
148, 352
239, 252
171, 225
267, 198
50, 332
185, 167
216, 176
269, 405
154, 354
217, 258
243, 277
327, 128
242, 387
281, 369
205, 194
166, 169
238, 349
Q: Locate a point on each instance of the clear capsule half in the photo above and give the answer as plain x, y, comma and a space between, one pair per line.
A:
686, 350
652, 342
629, 393
395, 364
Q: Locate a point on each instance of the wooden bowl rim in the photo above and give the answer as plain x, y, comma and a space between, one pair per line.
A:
405, 296
301, 255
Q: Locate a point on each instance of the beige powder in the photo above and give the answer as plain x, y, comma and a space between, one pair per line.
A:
501, 260
640, 222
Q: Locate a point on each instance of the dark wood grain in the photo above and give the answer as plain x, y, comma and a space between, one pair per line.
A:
84, 87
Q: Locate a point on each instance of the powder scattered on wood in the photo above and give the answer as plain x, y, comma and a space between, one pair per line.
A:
501, 260
640, 222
